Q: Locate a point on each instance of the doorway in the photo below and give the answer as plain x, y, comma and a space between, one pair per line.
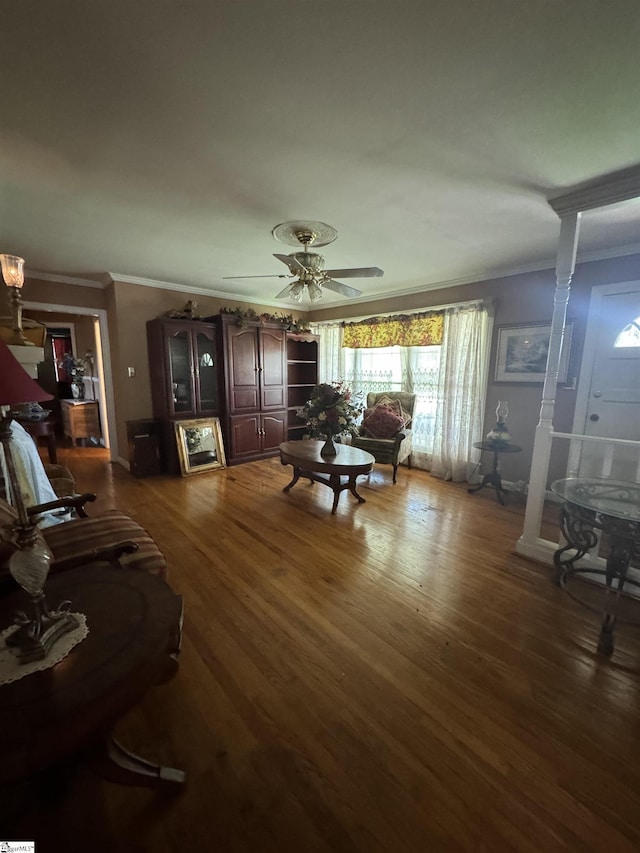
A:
104, 392
608, 398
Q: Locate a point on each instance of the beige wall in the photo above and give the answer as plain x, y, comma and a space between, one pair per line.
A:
526, 298
55, 293
130, 306
83, 327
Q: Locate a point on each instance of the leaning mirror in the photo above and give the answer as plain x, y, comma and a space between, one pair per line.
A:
200, 445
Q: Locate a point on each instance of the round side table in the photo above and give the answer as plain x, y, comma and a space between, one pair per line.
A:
134, 621
493, 478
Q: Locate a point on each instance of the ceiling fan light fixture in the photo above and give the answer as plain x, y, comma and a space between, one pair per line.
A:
315, 291
296, 292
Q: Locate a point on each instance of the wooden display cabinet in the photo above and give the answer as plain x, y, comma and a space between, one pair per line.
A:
184, 368
255, 388
183, 365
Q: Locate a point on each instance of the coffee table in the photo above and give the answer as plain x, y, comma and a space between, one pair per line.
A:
134, 622
349, 462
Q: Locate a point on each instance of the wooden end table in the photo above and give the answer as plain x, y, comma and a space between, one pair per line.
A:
349, 462
134, 622
493, 478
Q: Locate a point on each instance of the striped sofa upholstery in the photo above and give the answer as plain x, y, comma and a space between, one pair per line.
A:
111, 537
99, 533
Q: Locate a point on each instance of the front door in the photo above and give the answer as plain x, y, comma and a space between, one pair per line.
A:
608, 403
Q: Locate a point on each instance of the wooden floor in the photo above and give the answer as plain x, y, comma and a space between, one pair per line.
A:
392, 678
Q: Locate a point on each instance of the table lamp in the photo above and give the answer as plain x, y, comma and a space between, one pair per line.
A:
29, 564
500, 433
13, 275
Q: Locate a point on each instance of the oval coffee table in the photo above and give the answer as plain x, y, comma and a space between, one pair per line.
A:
349, 462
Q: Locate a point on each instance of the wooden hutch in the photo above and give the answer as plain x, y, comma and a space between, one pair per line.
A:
250, 374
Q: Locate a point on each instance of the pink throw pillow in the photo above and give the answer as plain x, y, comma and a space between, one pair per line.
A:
383, 422
396, 406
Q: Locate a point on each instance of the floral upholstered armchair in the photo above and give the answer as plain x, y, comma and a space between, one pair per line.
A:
385, 431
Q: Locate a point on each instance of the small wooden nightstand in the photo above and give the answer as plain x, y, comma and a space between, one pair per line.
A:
80, 419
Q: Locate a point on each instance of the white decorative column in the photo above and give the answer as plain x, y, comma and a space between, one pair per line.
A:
601, 192
530, 543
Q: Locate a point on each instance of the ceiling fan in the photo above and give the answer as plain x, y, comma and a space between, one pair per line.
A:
307, 268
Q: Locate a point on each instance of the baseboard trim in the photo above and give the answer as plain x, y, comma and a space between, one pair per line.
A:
124, 463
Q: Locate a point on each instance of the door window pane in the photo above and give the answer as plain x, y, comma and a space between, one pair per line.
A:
630, 335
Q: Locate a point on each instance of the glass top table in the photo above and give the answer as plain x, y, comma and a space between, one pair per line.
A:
614, 498
593, 507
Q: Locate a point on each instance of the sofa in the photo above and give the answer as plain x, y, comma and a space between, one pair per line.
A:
111, 537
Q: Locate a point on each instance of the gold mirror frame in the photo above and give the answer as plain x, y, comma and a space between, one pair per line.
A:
200, 446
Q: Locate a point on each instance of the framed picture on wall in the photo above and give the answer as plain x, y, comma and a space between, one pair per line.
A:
521, 355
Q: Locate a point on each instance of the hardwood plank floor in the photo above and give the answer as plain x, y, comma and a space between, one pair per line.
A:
392, 678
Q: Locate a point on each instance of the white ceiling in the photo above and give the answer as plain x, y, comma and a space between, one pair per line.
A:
164, 140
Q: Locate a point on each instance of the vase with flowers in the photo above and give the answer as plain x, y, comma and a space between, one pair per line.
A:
332, 410
76, 369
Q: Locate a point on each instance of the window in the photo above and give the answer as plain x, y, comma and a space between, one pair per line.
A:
396, 369
630, 335
449, 380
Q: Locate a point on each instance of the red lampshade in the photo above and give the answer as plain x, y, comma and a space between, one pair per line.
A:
16, 386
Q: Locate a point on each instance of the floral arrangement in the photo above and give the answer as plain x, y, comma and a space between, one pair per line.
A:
193, 438
332, 410
248, 315
76, 367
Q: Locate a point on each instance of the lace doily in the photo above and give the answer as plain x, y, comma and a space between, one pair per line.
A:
12, 670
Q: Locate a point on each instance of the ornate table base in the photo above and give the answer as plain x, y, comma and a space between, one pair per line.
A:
307, 461
493, 478
579, 526
332, 480
116, 764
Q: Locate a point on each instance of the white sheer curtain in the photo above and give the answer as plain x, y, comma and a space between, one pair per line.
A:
461, 392
330, 353
449, 382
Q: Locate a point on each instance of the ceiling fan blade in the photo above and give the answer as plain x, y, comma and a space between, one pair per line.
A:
339, 287
292, 263
359, 272
284, 293
255, 276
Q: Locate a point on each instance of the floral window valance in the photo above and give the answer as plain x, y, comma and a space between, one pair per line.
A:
405, 330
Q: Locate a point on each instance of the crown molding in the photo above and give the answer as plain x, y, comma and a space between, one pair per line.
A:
65, 279
478, 276
201, 291
609, 189
606, 254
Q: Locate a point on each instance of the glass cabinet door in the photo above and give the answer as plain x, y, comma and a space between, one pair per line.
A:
206, 372
180, 366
